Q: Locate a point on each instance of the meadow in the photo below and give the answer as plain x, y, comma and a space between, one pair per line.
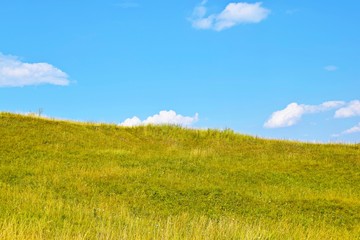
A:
70, 180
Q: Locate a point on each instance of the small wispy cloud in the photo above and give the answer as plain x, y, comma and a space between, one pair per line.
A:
355, 129
293, 112
331, 68
350, 110
15, 73
292, 11
233, 14
128, 4
164, 117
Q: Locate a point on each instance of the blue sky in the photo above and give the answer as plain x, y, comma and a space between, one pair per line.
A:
276, 69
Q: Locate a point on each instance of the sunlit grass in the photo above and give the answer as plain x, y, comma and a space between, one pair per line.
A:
68, 180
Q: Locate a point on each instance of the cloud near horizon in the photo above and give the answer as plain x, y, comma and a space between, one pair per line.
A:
293, 112
233, 14
354, 129
352, 109
164, 117
15, 73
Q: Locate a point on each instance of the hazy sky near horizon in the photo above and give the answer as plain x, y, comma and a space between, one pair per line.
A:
277, 69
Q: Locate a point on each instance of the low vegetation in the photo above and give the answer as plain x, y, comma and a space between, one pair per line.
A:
66, 180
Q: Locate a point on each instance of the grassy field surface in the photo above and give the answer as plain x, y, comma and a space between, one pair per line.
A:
65, 180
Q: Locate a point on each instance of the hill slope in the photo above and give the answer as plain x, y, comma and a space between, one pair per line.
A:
88, 181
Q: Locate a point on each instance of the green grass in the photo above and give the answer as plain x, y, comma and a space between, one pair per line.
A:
66, 180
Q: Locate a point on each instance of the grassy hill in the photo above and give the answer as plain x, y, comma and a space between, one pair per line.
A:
68, 180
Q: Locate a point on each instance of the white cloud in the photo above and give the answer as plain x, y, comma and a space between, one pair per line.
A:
134, 121
292, 114
164, 117
15, 73
332, 104
352, 109
286, 117
331, 68
354, 129
233, 14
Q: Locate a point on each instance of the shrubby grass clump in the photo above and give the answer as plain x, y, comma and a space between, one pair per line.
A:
66, 180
